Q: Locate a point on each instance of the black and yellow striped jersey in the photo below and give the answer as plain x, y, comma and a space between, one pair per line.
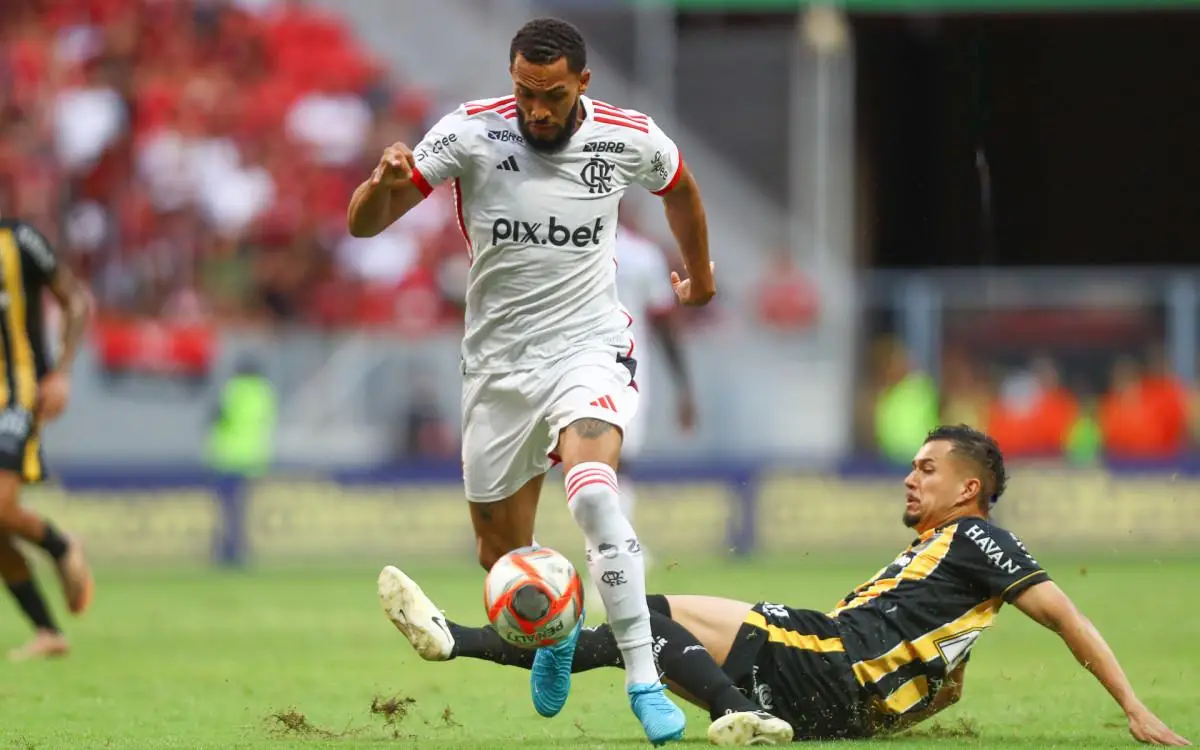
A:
27, 267
916, 620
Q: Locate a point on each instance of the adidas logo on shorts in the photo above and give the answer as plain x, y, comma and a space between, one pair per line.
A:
605, 402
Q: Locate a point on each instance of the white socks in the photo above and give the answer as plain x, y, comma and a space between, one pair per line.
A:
614, 558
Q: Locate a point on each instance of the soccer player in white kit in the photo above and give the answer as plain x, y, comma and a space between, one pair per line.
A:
547, 355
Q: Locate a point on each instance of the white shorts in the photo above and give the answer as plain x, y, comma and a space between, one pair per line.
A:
511, 421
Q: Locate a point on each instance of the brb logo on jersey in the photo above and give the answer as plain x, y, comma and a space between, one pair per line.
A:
597, 174
559, 235
505, 136
604, 147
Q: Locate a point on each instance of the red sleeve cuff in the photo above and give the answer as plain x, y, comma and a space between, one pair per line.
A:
675, 177
422, 184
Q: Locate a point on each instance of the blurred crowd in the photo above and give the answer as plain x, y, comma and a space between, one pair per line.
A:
193, 159
1143, 412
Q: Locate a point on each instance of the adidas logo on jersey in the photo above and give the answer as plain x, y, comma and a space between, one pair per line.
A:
509, 165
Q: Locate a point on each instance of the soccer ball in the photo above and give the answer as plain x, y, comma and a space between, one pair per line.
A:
533, 597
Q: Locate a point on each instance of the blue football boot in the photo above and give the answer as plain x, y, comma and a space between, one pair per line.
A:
550, 678
660, 717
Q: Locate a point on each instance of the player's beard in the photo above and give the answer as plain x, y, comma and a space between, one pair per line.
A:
911, 519
556, 143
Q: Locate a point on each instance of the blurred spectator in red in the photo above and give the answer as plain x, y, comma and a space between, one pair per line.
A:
1127, 418
194, 160
787, 299
1144, 413
1194, 411
1034, 413
1167, 397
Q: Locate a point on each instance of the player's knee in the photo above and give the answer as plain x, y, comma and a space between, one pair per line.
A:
486, 553
489, 549
8, 507
13, 565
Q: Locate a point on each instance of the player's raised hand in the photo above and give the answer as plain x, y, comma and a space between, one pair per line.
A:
1148, 728
395, 167
690, 293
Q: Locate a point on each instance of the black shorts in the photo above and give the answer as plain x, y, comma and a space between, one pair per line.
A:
21, 445
792, 663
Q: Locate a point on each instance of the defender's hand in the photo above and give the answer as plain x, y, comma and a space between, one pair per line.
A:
395, 167
690, 293
1148, 728
53, 394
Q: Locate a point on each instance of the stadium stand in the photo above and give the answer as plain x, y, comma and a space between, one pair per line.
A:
192, 160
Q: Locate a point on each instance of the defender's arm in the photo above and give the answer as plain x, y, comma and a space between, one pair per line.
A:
1047, 604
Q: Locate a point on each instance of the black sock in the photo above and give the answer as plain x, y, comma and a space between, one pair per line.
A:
53, 542
596, 648
692, 669
658, 603
685, 662
32, 604
485, 643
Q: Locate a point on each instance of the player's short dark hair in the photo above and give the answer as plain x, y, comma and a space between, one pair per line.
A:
544, 40
981, 449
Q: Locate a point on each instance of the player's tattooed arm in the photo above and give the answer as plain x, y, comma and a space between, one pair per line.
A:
689, 225
1047, 604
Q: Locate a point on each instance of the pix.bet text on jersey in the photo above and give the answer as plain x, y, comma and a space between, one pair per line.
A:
541, 227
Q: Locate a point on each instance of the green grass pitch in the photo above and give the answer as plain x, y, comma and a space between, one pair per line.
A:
294, 659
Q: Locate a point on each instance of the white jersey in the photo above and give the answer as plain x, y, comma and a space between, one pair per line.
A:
541, 228
643, 281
